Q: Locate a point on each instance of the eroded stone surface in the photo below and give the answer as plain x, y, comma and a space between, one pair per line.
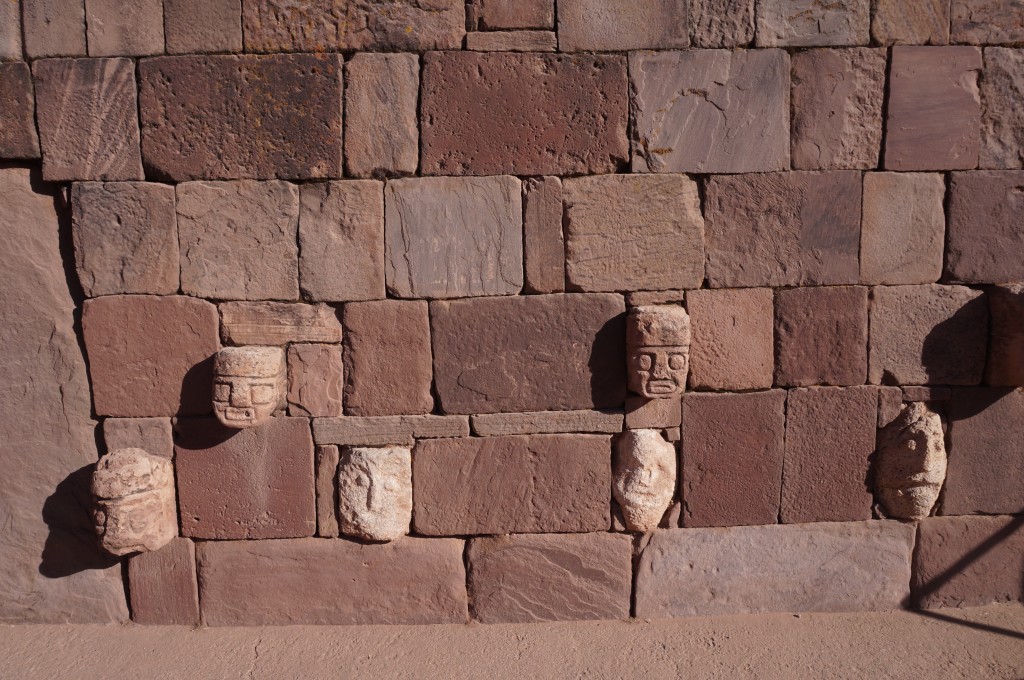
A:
733, 339
543, 242
135, 510
152, 435
375, 492
18, 138
903, 229
644, 478
381, 128
721, 23
546, 422
910, 464
1002, 121
910, 22
163, 587
620, 25
1006, 350
278, 323
386, 430
821, 336
802, 23
497, 15
53, 28
10, 30
985, 239
127, 29
658, 351
987, 22
248, 385
195, 26
316, 377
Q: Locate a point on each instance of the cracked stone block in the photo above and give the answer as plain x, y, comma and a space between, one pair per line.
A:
903, 229
162, 585
196, 26
53, 28
543, 241
128, 29
821, 336
733, 342
278, 323
721, 23
316, 377
135, 509
18, 138
621, 25
985, 239
152, 435
501, 15
805, 23
375, 492
381, 127
910, 22
1002, 121
643, 478
988, 22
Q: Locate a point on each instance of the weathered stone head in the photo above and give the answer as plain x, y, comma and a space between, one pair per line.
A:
658, 345
911, 463
135, 506
375, 492
644, 478
248, 385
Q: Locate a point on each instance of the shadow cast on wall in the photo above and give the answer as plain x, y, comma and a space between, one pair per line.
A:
72, 545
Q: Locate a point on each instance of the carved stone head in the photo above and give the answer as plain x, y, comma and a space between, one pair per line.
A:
644, 478
135, 506
658, 345
375, 492
911, 463
248, 385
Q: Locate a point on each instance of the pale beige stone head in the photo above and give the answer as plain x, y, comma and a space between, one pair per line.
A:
644, 478
911, 463
248, 385
375, 492
658, 347
135, 503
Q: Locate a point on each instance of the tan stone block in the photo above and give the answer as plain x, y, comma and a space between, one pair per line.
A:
163, 586
643, 478
10, 32
129, 29
543, 243
733, 339
910, 464
278, 323
387, 430
381, 126
152, 435
903, 228
721, 23
989, 22
620, 25
546, 422
375, 492
316, 375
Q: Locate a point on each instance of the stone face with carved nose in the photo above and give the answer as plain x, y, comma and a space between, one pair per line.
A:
644, 478
375, 492
135, 507
911, 464
248, 385
658, 347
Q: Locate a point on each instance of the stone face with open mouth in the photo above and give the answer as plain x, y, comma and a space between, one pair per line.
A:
248, 385
658, 344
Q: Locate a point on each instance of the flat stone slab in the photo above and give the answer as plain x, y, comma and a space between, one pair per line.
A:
278, 323
546, 422
384, 430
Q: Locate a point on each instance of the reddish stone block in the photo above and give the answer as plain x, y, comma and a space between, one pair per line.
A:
327, 458
985, 238
904, 228
18, 137
652, 414
620, 25
522, 114
543, 243
721, 23
486, 361
732, 454
150, 356
381, 128
387, 358
499, 15
53, 28
387, 430
571, 577
910, 22
278, 323
822, 336
124, 29
547, 422
783, 229
986, 437
918, 393
152, 435
934, 113
10, 32
802, 23
196, 26
512, 41
732, 346
968, 561
315, 378
830, 436
332, 582
242, 117
163, 587
643, 298
252, 483
1006, 350
890, 403
987, 22
1002, 120
88, 119
503, 485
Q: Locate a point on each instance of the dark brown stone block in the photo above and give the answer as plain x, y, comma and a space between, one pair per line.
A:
1006, 350
821, 336
163, 586
152, 435
656, 414
18, 137
985, 235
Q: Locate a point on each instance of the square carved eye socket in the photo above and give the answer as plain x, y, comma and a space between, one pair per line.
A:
262, 394
645, 361
221, 392
677, 362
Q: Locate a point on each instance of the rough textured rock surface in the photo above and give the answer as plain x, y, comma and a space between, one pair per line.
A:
498, 15
196, 26
821, 336
128, 29
512, 41
546, 422
802, 23
520, 579
985, 239
18, 138
536, 353
332, 582
543, 242
852, 566
10, 31
709, 111
316, 376
830, 436
621, 25
126, 237
245, 484
340, 25
732, 458
733, 340
987, 21
238, 240
658, 350
163, 586
1002, 121
1006, 349
449, 237
783, 229
837, 108
643, 478
327, 491
721, 23
135, 509
934, 109
88, 119
375, 492
502, 485
53, 28
910, 22
341, 241
642, 413
927, 335
903, 228
910, 464
278, 323
152, 435
250, 117
52, 569
249, 385
627, 232
386, 430
381, 127
523, 114
150, 356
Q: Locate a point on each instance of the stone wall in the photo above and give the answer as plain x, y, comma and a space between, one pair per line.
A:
443, 213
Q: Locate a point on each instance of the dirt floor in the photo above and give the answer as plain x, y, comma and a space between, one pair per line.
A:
981, 643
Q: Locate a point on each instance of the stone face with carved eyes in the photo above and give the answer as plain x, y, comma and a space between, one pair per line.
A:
248, 385
658, 345
911, 463
135, 507
375, 492
644, 478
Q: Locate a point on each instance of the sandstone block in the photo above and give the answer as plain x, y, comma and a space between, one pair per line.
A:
658, 351
644, 298
822, 567
245, 484
449, 237
628, 232
733, 344
152, 435
523, 114
128, 29
126, 237
546, 422
968, 561
134, 501
803, 23
821, 336
783, 229
989, 22
732, 114
10, 32
88, 119
196, 26
572, 577
512, 41
986, 470
910, 464
18, 138
903, 228
341, 241
927, 335
388, 358
316, 375
381, 128
919, 393
375, 492
910, 22
732, 458
499, 15
1002, 121
1006, 349
502, 485
543, 243
620, 25
535, 353
985, 239
150, 356
53, 28
339, 25
934, 113
242, 117
643, 478
163, 585
837, 108
721, 23
643, 413
278, 323
327, 491
830, 436
249, 385
332, 582
386, 430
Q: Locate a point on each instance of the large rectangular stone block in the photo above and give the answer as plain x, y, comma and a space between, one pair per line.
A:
987, 22
732, 346
620, 25
196, 26
547, 422
381, 126
129, 29
802, 23
278, 323
985, 237
53, 28
387, 430
18, 138
821, 336
910, 22
163, 586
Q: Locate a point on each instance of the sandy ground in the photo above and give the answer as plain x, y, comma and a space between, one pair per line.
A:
980, 643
